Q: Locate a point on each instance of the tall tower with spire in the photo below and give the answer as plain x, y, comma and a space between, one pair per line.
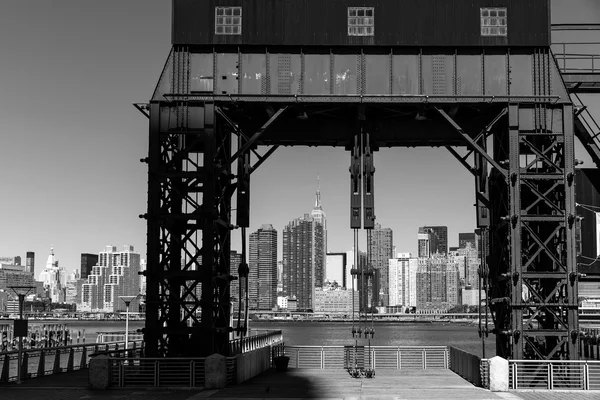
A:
320, 217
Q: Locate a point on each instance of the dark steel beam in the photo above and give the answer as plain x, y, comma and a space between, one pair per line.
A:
250, 142
470, 141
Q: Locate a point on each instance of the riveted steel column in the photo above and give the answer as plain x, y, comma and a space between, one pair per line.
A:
570, 223
153, 250
514, 185
207, 323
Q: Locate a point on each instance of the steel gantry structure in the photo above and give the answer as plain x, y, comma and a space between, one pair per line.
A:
245, 77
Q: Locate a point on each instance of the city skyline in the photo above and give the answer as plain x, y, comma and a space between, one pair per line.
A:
72, 141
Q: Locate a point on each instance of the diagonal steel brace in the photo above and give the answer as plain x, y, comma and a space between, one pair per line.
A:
257, 135
471, 143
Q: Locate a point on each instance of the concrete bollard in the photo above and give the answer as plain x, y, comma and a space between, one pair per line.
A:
99, 372
498, 368
215, 372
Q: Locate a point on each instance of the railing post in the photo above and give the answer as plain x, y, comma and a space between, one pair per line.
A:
322, 358
515, 375
550, 376
70, 360
121, 374
156, 374
424, 357
5, 368
193, 373
398, 358
83, 361
42, 365
56, 368
586, 376
24, 364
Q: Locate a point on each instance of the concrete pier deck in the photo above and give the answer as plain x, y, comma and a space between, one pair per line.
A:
294, 384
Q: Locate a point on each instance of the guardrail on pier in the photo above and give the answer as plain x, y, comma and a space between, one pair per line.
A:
54, 360
554, 375
378, 357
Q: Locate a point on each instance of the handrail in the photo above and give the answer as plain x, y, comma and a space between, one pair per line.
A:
575, 27
554, 374
54, 360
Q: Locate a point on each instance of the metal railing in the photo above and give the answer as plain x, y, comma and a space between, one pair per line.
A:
466, 365
554, 375
54, 360
163, 372
572, 60
249, 343
378, 357
582, 57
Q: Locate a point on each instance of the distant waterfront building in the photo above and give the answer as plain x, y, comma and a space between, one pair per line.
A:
235, 259
263, 268
470, 297
471, 265
279, 276
73, 288
116, 274
427, 242
303, 258
464, 238
354, 280
403, 280
442, 238
87, 263
30, 262
382, 250
335, 301
437, 284
54, 279
335, 266
10, 260
143, 280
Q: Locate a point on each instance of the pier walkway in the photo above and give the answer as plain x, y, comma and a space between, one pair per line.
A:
292, 384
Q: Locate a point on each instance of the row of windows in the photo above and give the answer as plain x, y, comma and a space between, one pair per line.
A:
361, 21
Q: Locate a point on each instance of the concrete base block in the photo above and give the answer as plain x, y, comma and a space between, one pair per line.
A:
99, 372
215, 372
498, 374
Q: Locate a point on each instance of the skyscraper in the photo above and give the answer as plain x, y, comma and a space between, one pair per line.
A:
54, 279
442, 238
263, 268
87, 262
427, 242
30, 262
381, 251
464, 238
320, 217
114, 275
403, 280
235, 259
303, 260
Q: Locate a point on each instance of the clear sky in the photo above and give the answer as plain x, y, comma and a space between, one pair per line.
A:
71, 141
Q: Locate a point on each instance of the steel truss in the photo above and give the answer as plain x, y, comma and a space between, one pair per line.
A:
526, 203
531, 269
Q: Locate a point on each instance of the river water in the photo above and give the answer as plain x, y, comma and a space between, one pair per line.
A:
460, 335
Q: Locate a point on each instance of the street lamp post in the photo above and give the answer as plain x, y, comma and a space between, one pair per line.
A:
21, 325
127, 300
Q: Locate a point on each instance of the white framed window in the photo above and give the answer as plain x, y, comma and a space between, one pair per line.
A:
361, 21
228, 20
493, 21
